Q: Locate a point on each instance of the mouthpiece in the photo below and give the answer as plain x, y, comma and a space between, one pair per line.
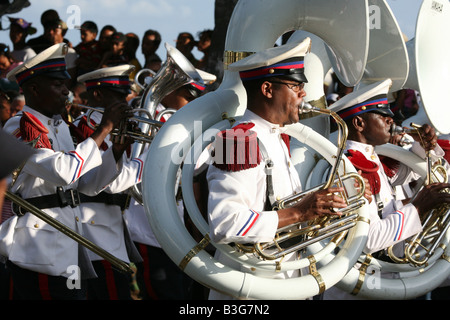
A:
399, 129
395, 129
305, 108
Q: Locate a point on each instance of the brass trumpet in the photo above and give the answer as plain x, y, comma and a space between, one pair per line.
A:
321, 228
124, 130
115, 262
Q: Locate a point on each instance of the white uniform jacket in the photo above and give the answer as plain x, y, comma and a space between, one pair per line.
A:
237, 198
28, 241
104, 224
136, 218
398, 222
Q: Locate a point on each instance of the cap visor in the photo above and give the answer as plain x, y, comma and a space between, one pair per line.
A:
300, 77
384, 112
61, 75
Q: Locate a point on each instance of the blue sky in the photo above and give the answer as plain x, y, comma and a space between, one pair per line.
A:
169, 17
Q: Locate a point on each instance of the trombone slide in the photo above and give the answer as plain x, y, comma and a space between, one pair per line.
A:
117, 263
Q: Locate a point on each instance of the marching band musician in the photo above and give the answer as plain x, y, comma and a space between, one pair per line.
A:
392, 217
157, 276
102, 216
41, 258
239, 203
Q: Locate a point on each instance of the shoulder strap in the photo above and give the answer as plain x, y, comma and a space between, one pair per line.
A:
270, 195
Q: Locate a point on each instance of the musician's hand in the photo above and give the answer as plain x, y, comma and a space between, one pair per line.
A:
111, 119
426, 136
123, 142
367, 191
115, 114
397, 139
430, 196
313, 205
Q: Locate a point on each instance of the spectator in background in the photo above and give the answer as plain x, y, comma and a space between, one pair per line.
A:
150, 43
204, 45
54, 27
5, 108
116, 54
89, 50
185, 43
18, 31
11, 88
104, 38
17, 103
7, 62
406, 102
131, 47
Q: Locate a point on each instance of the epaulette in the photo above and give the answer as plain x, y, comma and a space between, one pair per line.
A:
369, 169
33, 131
390, 166
237, 149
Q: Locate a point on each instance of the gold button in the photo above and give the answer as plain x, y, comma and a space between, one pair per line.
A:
278, 198
36, 225
92, 222
76, 218
373, 157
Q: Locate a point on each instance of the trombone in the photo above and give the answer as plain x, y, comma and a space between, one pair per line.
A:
320, 228
115, 262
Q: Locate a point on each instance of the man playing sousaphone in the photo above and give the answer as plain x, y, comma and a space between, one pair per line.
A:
392, 218
240, 198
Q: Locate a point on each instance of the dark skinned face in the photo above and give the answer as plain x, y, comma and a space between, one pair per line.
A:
48, 95
377, 128
287, 102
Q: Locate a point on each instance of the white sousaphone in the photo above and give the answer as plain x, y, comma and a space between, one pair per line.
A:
429, 59
425, 73
173, 74
411, 282
253, 26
